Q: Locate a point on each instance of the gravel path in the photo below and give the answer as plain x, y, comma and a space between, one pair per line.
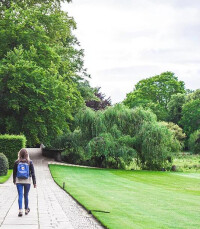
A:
51, 207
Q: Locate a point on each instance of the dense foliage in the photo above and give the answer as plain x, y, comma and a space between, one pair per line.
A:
10, 145
3, 165
174, 107
40, 70
166, 96
194, 142
117, 135
155, 93
155, 146
191, 116
177, 131
7, 3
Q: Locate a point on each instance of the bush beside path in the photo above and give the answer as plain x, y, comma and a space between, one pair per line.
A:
51, 207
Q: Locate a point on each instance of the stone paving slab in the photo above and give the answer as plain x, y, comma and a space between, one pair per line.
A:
51, 207
20, 227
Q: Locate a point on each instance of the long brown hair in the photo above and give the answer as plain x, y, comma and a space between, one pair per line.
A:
23, 156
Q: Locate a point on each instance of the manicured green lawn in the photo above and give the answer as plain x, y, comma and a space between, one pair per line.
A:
5, 178
135, 199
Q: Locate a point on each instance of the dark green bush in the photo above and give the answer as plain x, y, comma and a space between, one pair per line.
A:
74, 156
10, 145
60, 142
3, 165
194, 142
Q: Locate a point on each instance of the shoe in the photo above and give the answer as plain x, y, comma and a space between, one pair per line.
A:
27, 211
20, 214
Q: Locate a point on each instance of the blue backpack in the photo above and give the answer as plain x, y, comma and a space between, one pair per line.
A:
23, 171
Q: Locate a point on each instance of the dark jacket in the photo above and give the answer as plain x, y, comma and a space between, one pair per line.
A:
31, 172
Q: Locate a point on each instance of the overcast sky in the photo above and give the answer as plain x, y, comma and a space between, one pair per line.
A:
129, 40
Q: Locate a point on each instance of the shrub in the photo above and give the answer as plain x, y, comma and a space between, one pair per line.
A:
74, 156
60, 142
106, 151
3, 165
10, 146
194, 142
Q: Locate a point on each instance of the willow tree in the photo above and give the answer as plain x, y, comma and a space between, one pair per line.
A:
127, 120
116, 135
90, 123
108, 151
155, 146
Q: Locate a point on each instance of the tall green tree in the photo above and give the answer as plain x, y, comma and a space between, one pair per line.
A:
191, 116
174, 107
40, 69
155, 93
194, 142
194, 95
8, 3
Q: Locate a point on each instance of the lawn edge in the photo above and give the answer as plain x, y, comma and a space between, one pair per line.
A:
79, 203
72, 165
7, 176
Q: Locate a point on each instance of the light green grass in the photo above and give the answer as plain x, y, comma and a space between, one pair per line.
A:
135, 199
3, 179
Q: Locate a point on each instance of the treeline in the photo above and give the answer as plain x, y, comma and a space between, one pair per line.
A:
167, 97
155, 121
45, 95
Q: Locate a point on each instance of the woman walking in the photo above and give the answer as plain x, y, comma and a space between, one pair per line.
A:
22, 172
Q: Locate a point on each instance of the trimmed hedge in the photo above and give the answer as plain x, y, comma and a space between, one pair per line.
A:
10, 145
3, 165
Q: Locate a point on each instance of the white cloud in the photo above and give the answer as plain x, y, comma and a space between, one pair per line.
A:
126, 41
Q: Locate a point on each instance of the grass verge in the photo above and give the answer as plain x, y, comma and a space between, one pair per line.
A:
134, 199
3, 179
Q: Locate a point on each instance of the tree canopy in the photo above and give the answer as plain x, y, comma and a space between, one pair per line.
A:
174, 107
155, 93
8, 3
100, 102
191, 116
40, 69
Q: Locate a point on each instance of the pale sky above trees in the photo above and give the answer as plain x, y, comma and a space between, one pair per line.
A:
129, 40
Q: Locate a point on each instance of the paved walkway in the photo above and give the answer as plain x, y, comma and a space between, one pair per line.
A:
51, 207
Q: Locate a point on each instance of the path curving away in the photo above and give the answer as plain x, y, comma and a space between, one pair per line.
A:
51, 207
